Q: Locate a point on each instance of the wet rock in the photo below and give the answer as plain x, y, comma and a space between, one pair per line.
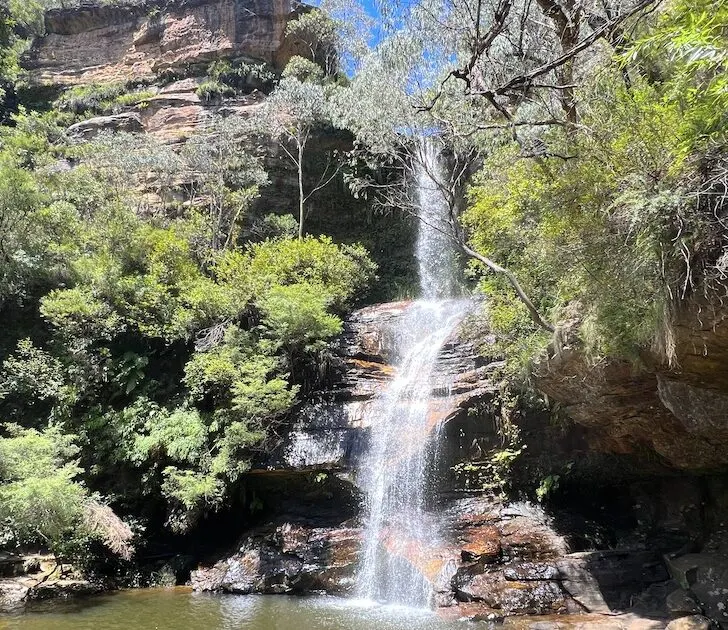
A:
484, 545
536, 597
693, 622
584, 622
528, 571
15, 593
12, 595
331, 430
680, 603
63, 589
290, 558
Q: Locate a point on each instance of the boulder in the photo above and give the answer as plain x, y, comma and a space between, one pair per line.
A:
693, 622
680, 604
705, 575
87, 129
288, 558
13, 594
534, 598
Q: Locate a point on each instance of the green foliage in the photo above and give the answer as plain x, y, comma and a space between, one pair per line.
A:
276, 226
296, 317
242, 75
41, 500
143, 314
303, 69
493, 473
342, 272
31, 372
316, 35
190, 488
213, 90
617, 235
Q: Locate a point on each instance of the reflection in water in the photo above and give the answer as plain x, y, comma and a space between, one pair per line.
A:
179, 609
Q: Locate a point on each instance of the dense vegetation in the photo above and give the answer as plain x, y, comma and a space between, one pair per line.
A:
589, 144
157, 331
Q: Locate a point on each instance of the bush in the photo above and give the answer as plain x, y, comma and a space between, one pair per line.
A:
213, 90
303, 69
41, 500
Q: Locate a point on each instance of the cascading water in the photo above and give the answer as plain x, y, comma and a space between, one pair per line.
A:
404, 435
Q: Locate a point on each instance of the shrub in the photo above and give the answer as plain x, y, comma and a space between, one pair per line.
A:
212, 90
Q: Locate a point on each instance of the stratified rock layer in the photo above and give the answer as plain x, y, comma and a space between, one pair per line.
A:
287, 558
680, 411
331, 430
103, 43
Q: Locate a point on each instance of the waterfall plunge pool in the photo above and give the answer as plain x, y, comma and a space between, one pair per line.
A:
181, 609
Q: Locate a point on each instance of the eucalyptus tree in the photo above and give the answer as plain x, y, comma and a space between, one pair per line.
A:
476, 74
225, 176
290, 116
392, 134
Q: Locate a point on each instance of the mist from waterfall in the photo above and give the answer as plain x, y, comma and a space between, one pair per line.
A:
395, 474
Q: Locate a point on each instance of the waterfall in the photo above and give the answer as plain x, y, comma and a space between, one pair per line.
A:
435, 251
402, 453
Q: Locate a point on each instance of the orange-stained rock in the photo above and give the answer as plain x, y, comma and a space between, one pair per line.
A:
484, 545
106, 43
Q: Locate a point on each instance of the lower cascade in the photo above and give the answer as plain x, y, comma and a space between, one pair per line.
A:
397, 472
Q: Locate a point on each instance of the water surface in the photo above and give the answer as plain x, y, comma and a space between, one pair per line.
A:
180, 609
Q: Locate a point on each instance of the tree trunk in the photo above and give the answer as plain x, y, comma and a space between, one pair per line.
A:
300, 191
533, 311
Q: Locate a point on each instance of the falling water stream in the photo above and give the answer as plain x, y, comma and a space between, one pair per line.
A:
399, 528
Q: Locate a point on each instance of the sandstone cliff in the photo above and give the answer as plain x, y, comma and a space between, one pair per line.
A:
678, 411
110, 43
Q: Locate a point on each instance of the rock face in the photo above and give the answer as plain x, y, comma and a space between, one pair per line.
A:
679, 412
288, 558
495, 559
331, 431
97, 43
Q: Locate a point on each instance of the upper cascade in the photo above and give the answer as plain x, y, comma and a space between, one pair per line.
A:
435, 252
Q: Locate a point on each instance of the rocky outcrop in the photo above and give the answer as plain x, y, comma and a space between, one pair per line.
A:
680, 412
331, 430
87, 129
287, 558
27, 579
494, 559
105, 43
